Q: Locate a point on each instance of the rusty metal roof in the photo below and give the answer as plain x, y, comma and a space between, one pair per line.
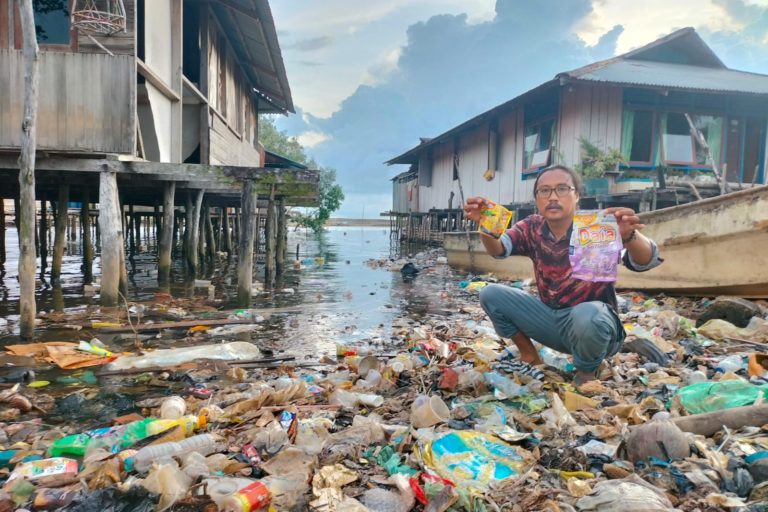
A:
677, 76
251, 30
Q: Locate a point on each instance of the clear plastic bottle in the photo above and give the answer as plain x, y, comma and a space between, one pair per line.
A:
204, 444
731, 363
556, 359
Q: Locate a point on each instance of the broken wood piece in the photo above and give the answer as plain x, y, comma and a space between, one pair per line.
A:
184, 324
709, 423
763, 346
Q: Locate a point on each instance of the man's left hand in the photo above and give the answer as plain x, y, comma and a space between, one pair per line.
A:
627, 220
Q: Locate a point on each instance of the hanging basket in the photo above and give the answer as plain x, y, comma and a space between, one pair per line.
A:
104, 17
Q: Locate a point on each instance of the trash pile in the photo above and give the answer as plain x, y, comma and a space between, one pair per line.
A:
440, 419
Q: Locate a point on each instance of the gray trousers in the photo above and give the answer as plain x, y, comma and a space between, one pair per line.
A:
591, 331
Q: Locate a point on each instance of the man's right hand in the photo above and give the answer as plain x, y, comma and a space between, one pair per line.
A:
473, 208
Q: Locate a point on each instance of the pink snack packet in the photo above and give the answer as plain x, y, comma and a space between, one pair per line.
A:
595, 246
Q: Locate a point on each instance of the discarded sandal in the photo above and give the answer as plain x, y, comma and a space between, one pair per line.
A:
520, 367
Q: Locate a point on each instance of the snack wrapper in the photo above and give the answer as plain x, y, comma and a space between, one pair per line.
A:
595, 246
472, 459
495, 219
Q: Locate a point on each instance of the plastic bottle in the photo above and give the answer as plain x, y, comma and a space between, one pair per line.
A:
556, 359
731, 363
121, 437
505, 386
173, 408
204, 444
219, 488
250, 498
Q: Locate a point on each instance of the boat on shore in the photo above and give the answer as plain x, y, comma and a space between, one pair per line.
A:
715, 246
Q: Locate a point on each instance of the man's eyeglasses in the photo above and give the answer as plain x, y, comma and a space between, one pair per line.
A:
560, 190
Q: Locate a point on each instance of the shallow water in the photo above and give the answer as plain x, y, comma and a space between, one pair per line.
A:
333, 298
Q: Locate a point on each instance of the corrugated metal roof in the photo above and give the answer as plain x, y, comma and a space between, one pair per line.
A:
663, 74
251, 30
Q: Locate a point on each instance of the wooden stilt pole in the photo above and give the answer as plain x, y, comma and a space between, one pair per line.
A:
157, 218
2, 230
226, 236
175, 236
270, 236
245, 246
43, 236
236, 231
16, 217
98, 231
202, 242
131, 228
166, 234
112, 256
189, 209
26, 221
282, 236
211, 248
193, 227
85, 222
72, 226
59, 240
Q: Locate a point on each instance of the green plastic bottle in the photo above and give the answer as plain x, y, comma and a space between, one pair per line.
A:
116, 439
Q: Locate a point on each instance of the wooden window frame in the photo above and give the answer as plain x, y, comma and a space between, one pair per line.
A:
654, 134
18, 43
530, 169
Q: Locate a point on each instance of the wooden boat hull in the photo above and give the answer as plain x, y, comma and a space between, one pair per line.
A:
710, 247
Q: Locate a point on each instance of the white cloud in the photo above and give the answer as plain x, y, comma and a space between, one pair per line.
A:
645, 21
363, 37
311, 139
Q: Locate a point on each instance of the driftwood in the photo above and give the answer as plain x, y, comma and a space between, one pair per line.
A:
709, 423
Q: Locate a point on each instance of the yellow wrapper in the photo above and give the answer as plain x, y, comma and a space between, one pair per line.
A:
495, 219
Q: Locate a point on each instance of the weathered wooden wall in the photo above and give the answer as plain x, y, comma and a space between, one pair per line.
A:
405, 196
85, 101
508, 185
229, 148
232, 125
590, 111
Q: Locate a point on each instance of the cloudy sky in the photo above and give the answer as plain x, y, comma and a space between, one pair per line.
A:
369, 78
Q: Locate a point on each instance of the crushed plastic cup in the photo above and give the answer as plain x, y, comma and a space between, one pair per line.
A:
428, 411
173, 408
367, 364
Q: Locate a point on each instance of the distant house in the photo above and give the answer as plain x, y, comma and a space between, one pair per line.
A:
635, 103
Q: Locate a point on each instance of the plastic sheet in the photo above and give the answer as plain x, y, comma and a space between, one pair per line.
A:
715, 396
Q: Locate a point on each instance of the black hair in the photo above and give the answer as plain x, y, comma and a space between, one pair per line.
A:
575, 177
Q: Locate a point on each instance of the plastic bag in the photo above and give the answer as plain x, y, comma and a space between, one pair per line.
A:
495, 219
595, 246
715, 396
472, 459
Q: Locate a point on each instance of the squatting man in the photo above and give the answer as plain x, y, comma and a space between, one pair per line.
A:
570, 315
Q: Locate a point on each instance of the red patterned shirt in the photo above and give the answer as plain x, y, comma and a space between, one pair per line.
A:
557, 289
